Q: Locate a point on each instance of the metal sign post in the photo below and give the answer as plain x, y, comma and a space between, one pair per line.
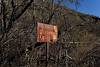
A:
47, 34
47, 53
46, 56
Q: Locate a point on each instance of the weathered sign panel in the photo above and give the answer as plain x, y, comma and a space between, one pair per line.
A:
46, 33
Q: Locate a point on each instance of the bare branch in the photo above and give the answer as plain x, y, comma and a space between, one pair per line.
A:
15, 14
18, 12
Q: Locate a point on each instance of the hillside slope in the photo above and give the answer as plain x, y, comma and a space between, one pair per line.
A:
78, 34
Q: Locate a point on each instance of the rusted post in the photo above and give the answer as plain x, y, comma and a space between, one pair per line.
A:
47, 53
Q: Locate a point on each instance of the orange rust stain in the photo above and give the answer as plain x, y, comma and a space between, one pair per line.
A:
46, 33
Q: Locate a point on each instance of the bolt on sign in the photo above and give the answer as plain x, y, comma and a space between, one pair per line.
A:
46, 33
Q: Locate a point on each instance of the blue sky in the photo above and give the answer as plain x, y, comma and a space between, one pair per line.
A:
91, 7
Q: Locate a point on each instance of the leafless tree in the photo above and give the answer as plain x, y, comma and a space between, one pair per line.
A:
10, 12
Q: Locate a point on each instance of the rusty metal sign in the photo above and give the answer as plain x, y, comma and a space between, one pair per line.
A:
46, 33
